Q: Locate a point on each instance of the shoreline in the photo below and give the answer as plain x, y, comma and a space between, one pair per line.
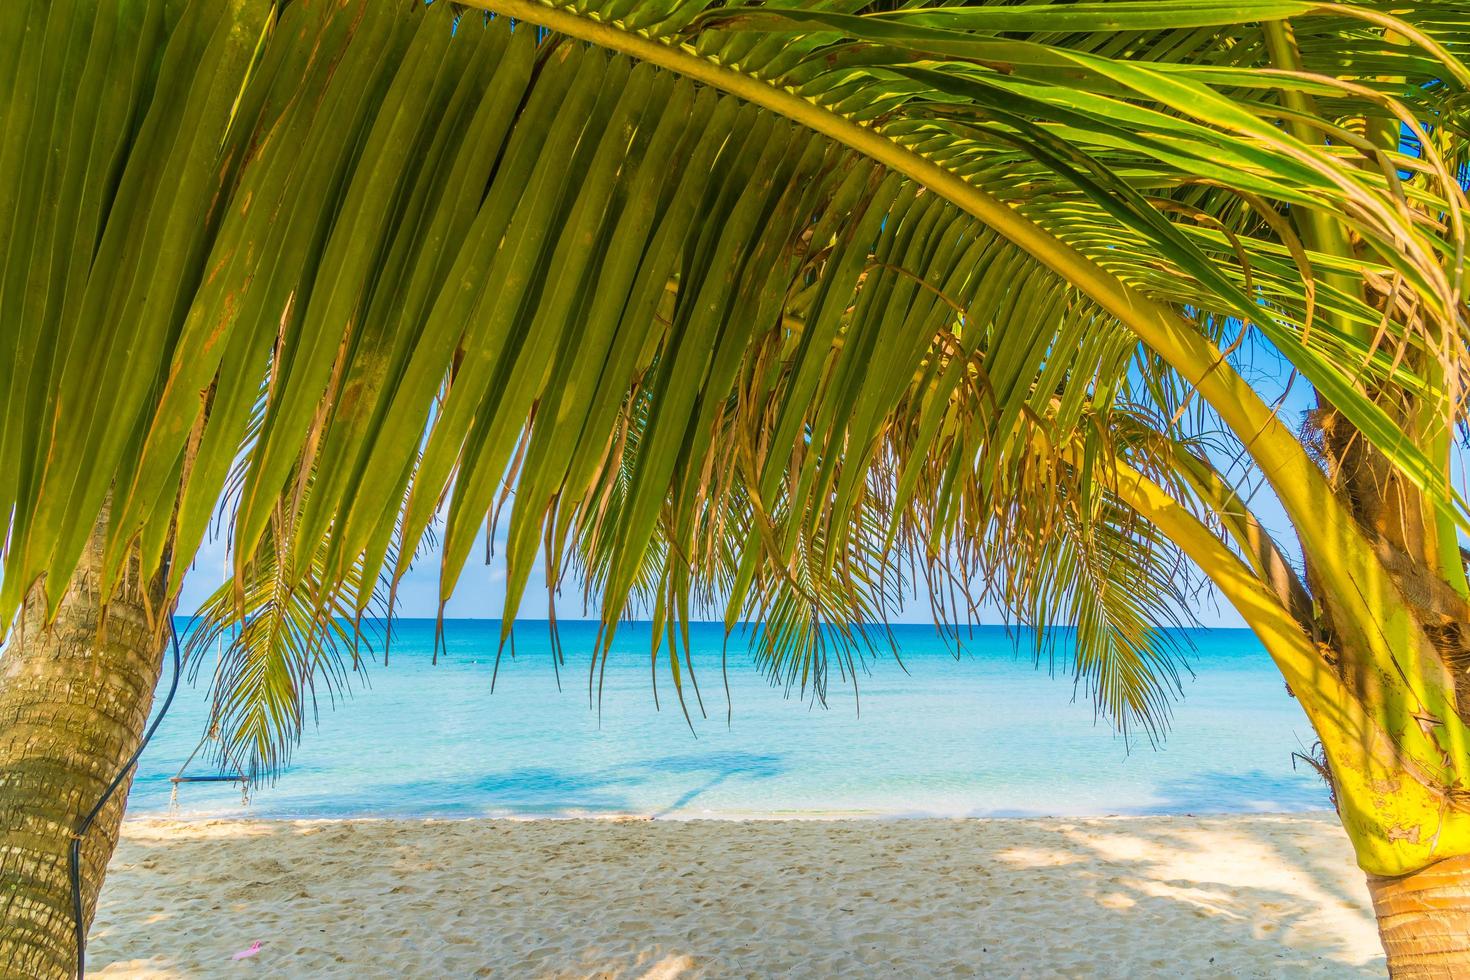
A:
1235, 895
186, 818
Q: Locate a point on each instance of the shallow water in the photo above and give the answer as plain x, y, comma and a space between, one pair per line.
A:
987, 734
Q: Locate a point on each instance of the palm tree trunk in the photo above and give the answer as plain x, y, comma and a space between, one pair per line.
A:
74, 699
1424, 920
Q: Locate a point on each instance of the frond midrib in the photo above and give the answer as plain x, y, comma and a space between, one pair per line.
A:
1319, 517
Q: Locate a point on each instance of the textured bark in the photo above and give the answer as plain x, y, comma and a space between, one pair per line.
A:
74, 699
1424, 920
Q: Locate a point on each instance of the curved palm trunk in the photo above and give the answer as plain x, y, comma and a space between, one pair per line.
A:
74, 699
1423, 915
1381, 795
1424, 920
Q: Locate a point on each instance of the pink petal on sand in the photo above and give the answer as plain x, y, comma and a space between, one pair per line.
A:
247, 953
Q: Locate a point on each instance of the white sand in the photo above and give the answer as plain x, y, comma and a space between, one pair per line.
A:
1240, 896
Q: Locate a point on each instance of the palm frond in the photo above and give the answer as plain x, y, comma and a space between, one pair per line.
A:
754, 305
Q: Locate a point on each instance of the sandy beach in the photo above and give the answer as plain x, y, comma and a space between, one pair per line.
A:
1233, 896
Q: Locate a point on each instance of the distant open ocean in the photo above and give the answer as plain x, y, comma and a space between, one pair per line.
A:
987, 734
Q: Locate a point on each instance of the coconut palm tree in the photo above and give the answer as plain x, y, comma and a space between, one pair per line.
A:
776, 311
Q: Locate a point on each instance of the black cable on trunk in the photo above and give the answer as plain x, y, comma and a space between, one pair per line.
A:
86, 824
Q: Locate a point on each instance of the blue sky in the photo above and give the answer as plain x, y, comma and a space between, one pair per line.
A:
481, 589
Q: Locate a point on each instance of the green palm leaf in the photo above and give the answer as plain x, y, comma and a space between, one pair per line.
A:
753, 306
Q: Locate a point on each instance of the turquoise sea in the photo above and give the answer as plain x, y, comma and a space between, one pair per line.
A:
984, 734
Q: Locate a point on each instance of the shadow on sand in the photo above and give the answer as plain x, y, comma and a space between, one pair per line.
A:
1268, 896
